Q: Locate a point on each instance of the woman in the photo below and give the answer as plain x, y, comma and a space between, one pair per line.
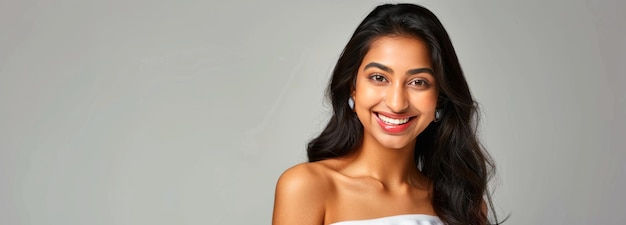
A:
401, 144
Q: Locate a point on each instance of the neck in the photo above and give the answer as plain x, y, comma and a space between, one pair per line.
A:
392, 167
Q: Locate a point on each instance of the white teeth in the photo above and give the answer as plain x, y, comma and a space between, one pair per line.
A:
392, 120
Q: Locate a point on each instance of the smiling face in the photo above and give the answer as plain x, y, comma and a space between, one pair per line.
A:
395, 94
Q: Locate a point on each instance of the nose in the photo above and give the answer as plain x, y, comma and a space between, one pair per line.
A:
396, 98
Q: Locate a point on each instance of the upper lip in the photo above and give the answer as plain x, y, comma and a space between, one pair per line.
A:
394, 115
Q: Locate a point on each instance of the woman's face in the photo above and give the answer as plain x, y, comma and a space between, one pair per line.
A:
395, 94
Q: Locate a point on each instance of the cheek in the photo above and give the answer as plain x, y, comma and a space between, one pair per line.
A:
367, 96
425, 101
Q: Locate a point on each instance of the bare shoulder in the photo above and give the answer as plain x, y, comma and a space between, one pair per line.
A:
301, 194
306, 178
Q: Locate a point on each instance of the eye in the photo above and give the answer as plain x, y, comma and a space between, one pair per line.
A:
378, 78
420, 83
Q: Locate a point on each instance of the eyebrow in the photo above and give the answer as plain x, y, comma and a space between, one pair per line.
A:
389, 70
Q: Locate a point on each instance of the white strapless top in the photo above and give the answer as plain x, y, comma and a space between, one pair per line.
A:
408, 219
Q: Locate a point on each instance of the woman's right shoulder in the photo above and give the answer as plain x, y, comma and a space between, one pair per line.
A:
301, 194
310, 175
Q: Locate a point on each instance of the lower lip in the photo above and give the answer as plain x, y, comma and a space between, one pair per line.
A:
392, 128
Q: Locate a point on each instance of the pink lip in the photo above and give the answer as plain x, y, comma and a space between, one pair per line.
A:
393, 129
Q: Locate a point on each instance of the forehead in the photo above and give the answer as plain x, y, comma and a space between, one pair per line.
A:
398, 51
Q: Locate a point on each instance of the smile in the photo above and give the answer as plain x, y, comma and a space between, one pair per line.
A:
394, 125
393, 121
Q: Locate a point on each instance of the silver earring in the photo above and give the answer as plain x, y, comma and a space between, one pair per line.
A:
437, 116
351, 103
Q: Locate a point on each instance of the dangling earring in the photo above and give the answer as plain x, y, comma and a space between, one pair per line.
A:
437, 116
351, 103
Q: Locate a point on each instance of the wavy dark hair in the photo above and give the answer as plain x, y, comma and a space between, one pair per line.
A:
448, 152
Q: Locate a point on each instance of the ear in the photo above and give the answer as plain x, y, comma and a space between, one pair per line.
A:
352, 93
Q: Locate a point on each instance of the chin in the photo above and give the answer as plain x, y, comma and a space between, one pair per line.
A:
394, 142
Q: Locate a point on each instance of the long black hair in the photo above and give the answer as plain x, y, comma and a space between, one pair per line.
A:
448, 152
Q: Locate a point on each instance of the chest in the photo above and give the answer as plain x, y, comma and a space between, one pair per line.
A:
355, 201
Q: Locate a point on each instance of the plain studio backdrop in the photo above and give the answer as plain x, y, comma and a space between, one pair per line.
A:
186, 112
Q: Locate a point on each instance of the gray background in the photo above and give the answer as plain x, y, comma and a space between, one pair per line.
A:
186, 112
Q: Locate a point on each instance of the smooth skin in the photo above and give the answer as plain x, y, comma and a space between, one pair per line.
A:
381, 178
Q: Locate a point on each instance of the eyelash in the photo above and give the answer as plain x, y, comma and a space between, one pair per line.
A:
422, 81
417, 82
376, 77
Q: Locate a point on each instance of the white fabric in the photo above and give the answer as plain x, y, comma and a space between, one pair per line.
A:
409, 219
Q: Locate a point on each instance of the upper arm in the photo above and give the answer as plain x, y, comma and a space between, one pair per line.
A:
300, 197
